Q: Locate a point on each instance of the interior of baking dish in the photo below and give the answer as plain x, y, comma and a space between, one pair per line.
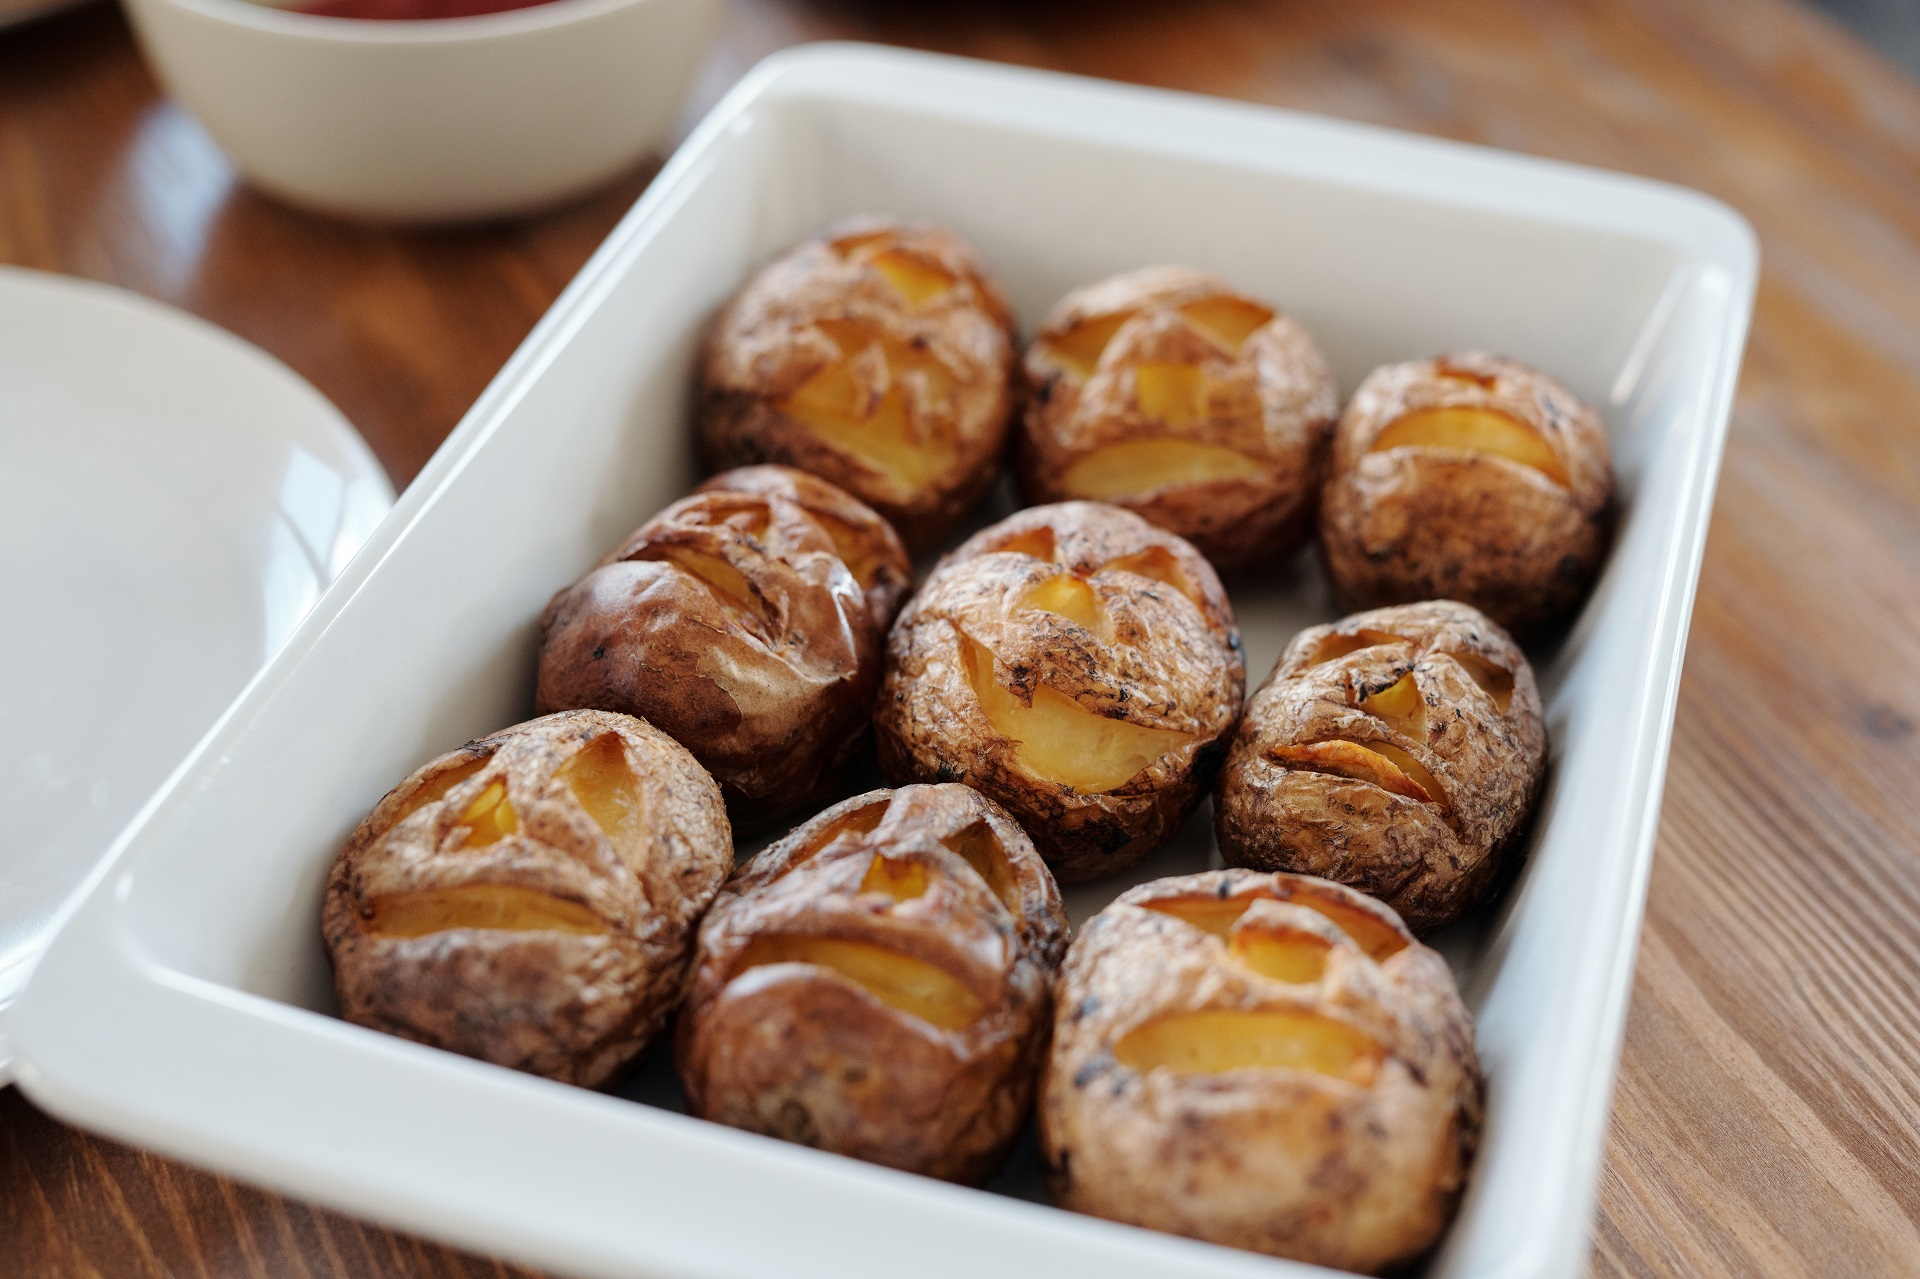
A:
1386, 248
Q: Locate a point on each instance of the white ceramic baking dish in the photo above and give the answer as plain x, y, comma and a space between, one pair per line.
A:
185, 1004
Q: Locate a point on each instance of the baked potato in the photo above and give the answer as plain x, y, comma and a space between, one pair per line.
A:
1264, 1061
1468, 477
1077, 665
878, 984
748, 622
1169, 393
880, 356
530, 899
1398, 751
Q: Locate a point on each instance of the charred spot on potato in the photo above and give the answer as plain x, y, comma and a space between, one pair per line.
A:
897, 980
1214, 1041
498, 907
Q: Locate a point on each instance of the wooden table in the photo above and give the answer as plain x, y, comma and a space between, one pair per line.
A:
1767, 1119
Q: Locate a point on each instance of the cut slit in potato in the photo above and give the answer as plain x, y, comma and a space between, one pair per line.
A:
1173, 394
915, 279
490, 817
492, 906
1337, 646
899, 879
1135, 468
1209, 1042
1473, 430
1291, 955
1218, 915
728, 584
602, 780
1228, 321
1495, 681
436, 787
1400, 705
856, 552
1069, 597
976, 845
1037, 542
900, 981
1079, 348
839, 405
1380, 763
1058, 740
1157, 564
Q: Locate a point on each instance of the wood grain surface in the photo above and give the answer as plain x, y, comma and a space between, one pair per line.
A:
1767, 1119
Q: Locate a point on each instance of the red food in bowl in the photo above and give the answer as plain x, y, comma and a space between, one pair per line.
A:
413, 10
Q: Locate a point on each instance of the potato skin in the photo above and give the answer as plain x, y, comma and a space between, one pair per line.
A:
1274, 401
1174, 663
778, 332
1328, 1170
1428, 862
799, 1051
772, 693
1412, 523
573, 1007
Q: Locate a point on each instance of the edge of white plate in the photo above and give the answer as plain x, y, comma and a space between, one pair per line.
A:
328, 418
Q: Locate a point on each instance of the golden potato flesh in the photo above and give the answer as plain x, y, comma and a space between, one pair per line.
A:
1166, 392
531, 898
1398, 751
878, 356
878, 983
1077, 665
1265, 1061
735, 621
1468, 477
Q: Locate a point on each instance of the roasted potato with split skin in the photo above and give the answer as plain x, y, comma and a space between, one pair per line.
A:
530, 899
1264, 1061
879, 356
1468, 477
1397, 751
748, 622
1075, 664
1169, 393
878, 984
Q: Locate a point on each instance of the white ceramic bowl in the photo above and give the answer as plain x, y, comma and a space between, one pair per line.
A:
445, 120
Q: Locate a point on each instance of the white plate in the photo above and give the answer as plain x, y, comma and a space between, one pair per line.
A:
172, 501
200, 943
